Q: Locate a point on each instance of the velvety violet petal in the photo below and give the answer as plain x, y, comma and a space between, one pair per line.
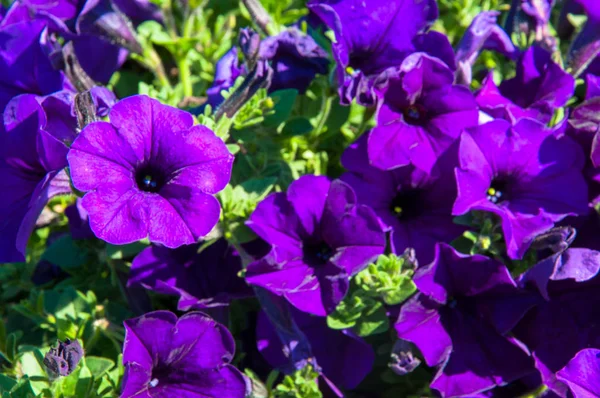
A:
101, 63
295, 57
101, 156
353, 360
387, 147
307, 195
60, 120
117, 217
198, 343
582, 374
592, 86
421, 73
353, 230
139, 10
142, 122
382, 44
136, 377
79, 223
578, 264
100, 18
227, 71
275, 220
539, 83
437, 45
198, 159
225, 381
144, 338
481, 359
419, 322
278, 278
453, 273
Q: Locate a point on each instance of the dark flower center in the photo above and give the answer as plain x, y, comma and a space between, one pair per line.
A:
316, 254
150, 179
160, 374
407, 204
414, 114
498, 191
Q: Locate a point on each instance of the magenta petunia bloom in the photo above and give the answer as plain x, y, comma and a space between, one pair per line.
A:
525, 174
319, 237
422, 115
149, 173
539, 87
372, 36
202, 279
187, 357
416, 207
582, 374
32, 158
459, 321
341, 358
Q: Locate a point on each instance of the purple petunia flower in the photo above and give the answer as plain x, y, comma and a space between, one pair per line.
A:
89, 24
565, 318
187, 357
422, 114
459, 320
319, 237
582, 374
372, 36
32, 159
526, 175
539, 87
202, 279
149, 172
295, 58
227, 71
415, 206
24, 67
584, 54
483, 34
352, 361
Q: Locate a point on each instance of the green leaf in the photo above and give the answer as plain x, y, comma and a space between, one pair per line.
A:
373, 322
98, 365
6, 383
296, 126
65, 253
23, 389
258, 188
84, 382
284, 103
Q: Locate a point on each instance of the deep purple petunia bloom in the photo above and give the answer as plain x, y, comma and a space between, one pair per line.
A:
341, 358
319, 237
227, 71
422, 115
90, 24
187, 357
582, 374
539, 87
526, 175
32, 159
24, 67
484, 33
372, 36
149, 172
204, 279
415, 206
584, 54
295, 58
565, 318
459, 320
79, 221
